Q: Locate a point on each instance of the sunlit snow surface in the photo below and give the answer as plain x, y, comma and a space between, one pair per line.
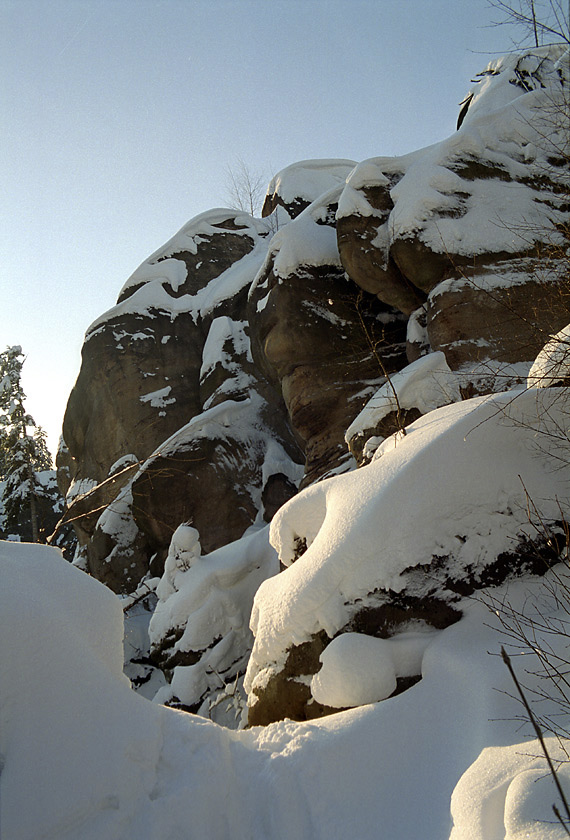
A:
552, 365
425, 384
86, 758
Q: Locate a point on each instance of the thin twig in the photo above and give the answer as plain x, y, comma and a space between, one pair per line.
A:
539, 735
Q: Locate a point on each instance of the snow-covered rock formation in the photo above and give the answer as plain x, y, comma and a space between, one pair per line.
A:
84, 756
323, 459
374, 319
468, 497
469, 235
169, 420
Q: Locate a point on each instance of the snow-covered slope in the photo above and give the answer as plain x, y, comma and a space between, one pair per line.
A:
84, 757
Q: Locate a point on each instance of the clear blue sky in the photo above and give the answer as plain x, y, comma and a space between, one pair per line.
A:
120, 118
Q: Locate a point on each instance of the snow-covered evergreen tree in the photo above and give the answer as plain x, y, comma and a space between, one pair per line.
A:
23, 449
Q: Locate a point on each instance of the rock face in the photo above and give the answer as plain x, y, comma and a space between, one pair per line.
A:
472, 230
169, 421
249, 359
318, 338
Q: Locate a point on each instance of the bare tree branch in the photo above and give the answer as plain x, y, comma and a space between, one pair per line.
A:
245, 189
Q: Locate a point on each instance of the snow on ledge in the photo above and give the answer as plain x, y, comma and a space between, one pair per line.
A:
425, 384
309, 179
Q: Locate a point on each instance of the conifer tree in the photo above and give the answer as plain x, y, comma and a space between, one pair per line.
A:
22, 454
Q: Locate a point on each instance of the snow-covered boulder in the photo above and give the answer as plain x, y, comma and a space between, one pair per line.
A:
472, 228
168, 405
140, 373
244, 347
299, 184
469, 496
210, 472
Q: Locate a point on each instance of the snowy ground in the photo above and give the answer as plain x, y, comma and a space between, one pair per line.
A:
85, 757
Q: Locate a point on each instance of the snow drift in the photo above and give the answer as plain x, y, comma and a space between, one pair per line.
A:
84, 757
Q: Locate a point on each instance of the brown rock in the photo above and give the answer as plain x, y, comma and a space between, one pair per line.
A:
174, 348
322, 341
495, 316
367, 263
287, 694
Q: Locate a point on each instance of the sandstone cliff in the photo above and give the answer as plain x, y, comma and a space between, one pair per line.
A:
243, 363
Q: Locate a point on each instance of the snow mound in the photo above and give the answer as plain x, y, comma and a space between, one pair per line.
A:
84, 757
62, 661
507, 793
552, 365
455, 486
359, 669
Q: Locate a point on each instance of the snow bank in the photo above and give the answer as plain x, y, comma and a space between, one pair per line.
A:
61, 671
85, 758
508, 793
